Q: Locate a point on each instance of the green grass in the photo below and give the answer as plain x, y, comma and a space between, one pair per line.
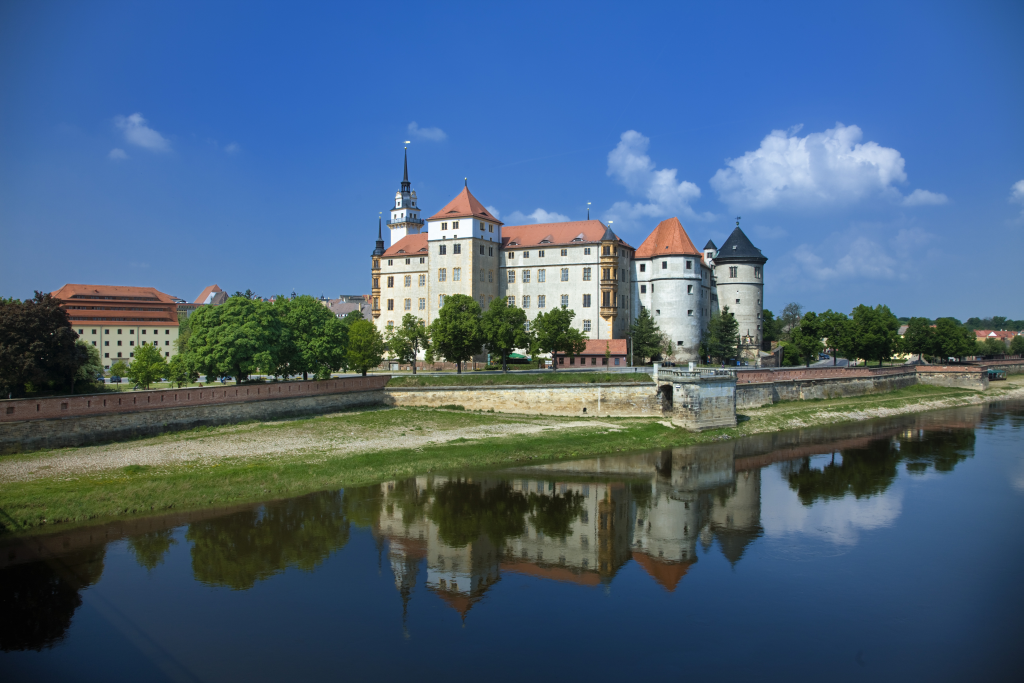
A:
468, 380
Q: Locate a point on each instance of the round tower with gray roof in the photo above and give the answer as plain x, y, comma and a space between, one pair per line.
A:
739, 275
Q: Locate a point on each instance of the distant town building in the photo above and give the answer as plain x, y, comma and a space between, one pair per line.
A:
1005, 336
346, 303
580, 265
116, 319
211, 296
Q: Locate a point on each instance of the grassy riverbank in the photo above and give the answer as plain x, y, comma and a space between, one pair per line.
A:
472, 380
213, 467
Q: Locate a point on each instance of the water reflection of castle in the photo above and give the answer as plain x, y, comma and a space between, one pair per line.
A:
579, 522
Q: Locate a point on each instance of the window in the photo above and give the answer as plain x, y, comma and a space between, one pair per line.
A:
565, 252
586, 301
94, 343
511, 276
376, 303
586, 274
541, 275
511, 256
623, 274
94, 331
482, 275
423, 304
442, 274
481, 250
616, 361
540, 254
455, 225
757, 272
106, 355
690, 313
607, 250
391, 262
456, 274
106, 343
442, 250
391, 304
586, 326
481, 226
118, 354
643, 267
391, 323
456, 248
391, 280
408, 280
664, 265
689, 289
166, 343
511, 301
679, 343
408, 304
490, 228
376, 283
423, 280
586, 251
526, 254
118, 342
526, 276
606, 299
440, 300
541, 301
165, 331
408, 261
643, 289
490, 276
444, 226
737, 300
423, 259
606, 274
490, 251
565, 274
758, 316
565, 301
733, 271
526, 301
689, 265
118, 331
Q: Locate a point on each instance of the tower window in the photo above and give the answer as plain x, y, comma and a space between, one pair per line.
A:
689, 313
737, 300
408, 261
643, 267
481, 226
455, 225
734, 271
643, 289
689, 265
490, 276
444, 226
540, 254
423, 259
664, 265
757, 273
490, 228
689, 289
511, 256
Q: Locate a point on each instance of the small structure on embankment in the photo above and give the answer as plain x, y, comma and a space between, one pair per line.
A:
698, 398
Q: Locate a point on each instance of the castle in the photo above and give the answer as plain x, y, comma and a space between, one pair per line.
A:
580, 265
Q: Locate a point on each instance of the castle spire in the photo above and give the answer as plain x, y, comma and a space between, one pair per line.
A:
405, 172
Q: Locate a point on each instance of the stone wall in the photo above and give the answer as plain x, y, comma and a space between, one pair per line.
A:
616, 400
708, 403
959, 376
749, 395
150, 418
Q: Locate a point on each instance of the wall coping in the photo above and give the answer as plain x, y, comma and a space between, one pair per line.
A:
503, 387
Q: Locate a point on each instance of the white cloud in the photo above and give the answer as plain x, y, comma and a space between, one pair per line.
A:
832, 167
494, 212
1017, 195
924, 198
138, 133
233, 148
435, 134
538, 216
666, 196
863, 258
117, 154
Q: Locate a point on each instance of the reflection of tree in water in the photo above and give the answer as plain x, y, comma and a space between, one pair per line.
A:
553, 515
149, 549
464, 510
38, 599
361, 505
870, 471
242, 548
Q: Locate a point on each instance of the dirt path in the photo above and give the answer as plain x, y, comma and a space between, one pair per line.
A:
334, 439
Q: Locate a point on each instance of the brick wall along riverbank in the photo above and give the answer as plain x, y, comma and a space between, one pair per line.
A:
81, 420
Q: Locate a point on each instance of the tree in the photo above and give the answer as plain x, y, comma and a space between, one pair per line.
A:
722, 337
318, 339
874, 333
147, 367
833, 327
1017, 344
92, 368
772, 328
37, 345
365, 346
180, 372
247, 294
119, 369
807, 338
503, 328
789, 319
406, 340
237, 338
553, 332
455, 333
993, 347
952, 340
918, 337
646, 337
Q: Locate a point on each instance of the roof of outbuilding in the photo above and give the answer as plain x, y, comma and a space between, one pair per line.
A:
465, 205
739, 246
205, 296
120, 291
597, 347
669, 238
544, 234
408, 246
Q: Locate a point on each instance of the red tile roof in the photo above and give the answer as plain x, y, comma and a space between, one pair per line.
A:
668, 239
465, 205
205, 294
554, 573
596, 347
668, 574
87, 304
410, 245
545, 234
1005, 335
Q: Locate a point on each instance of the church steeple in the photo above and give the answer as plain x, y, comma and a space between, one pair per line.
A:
405, 173
405, 214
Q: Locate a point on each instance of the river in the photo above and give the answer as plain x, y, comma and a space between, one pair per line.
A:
883, 550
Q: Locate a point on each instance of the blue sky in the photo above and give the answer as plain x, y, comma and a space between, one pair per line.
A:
875, 151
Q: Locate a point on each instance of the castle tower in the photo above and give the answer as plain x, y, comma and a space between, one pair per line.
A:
405, 214
464, 252
739, 273
378, 252
609, 280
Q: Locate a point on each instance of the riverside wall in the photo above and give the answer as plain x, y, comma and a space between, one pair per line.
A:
612, 400
65, 421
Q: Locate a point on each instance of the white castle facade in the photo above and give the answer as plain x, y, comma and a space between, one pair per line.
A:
580, 265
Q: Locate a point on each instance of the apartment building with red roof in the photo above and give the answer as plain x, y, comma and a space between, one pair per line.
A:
116, 319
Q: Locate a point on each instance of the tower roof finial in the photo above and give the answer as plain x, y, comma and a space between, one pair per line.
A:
405, 171
465, 182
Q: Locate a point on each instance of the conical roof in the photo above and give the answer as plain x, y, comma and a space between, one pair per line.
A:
609, 235
738, 246
668, 239
710, 245
465, 205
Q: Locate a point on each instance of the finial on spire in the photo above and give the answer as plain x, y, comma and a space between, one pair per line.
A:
588, 211
737, 221
465, 182
380, 220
